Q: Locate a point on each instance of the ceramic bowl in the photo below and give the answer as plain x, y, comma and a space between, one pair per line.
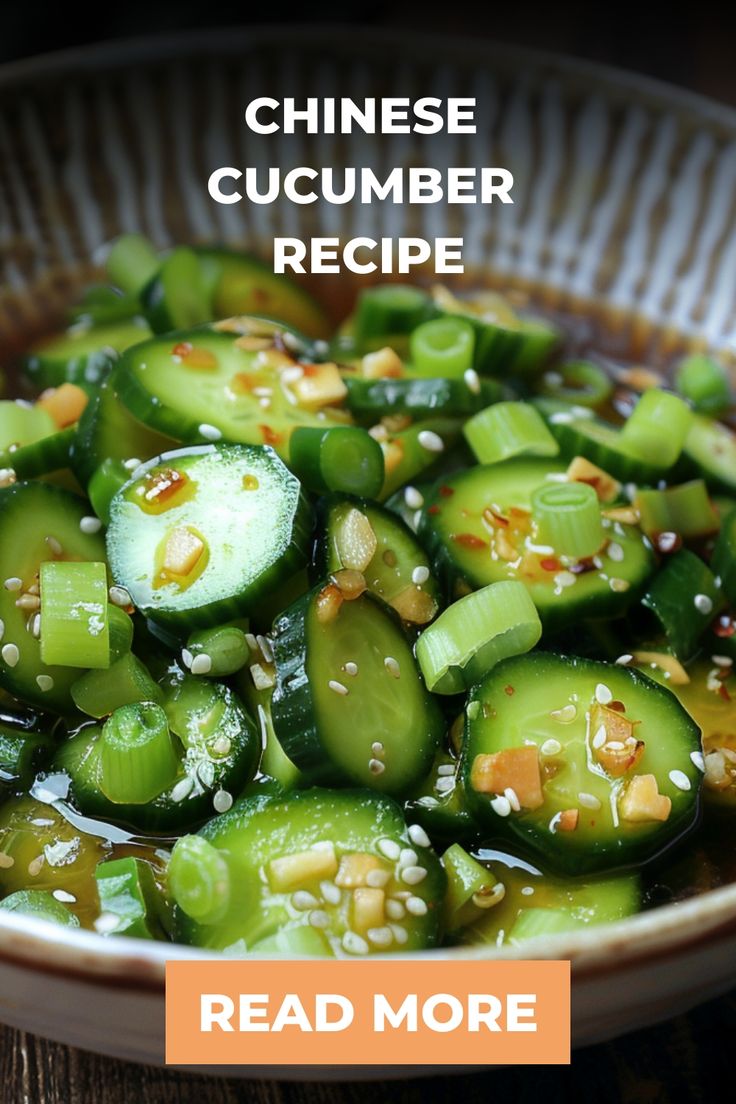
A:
624, 200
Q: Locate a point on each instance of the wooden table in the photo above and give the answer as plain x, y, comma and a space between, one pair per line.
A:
687, 1059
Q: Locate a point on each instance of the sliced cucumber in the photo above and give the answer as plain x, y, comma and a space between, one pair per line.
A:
84, 354
37, 523
439, 804
48, 454
362, 536
200, 534
479, 529
420, 398
349, 704
711, 446
326, 872
588, 764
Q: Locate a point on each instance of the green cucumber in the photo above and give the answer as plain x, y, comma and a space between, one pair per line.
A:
25, 747
711, 446
41, 905
349, 704
84, 354
439, 804
300, 873
48, 454
586, 787
504, 342
370, 399
201, 534
478, 529
128, 898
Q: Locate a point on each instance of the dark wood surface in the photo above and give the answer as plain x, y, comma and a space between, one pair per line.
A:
688, 1059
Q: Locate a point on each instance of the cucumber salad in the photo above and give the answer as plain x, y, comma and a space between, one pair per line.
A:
409, 632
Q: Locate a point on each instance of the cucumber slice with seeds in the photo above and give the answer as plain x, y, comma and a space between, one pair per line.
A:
711, 446
84, 354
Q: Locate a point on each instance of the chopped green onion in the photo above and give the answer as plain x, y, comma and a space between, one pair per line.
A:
685, 509
685, 598
40, 904
531, 922
127, 893
74, 624
509, 429
443, 347
299, 942
568, 517
137, 755
471, 888
131, 263
22, 424
412, 451
577, 381
657, 427
343, 458
120, 627
199, 879
179, 293
104, 485
225, 650
99, 693
390, 310
22, 754
723, 560
475, 633
704, 382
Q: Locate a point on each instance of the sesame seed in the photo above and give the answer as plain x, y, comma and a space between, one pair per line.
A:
510, 794
206, 773
445, 769
602, 694
680, 779
222, 745
389, 848
565, 579
416, 906
337, 687
408, 857
182, 789
418, 836
34, 866
186, 658
302, 900
619, 586
600, 737
90, 525
265, 646
262, 680
395, 910
330, 892
62, 895
201, 664
132, 463
318, 918
351, 668
251, 641
6, 861
380, 937
210, 432
624, 660
431, 441
413, 498
106, 923
697, 759
13, 583
54, 545
10, 654
501, 805
413, 875
35, 627
444, 784
615, 552
420, 575
2, 628
399, 933
44, 683
28, 602
590, 801
702, 603
119, 596
472, 380
722, 661
375, 766
222, 801
551, 747
566, 714
392, 666
377, 879
354, 943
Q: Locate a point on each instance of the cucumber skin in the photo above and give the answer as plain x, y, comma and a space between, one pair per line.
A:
421, 398
49, 454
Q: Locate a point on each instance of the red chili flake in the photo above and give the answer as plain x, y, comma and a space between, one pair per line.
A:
270, 437
724, 692
724, 626
182, 349
582, 567
549, 563
617, 706
509, 690
446, 491
468, 540
310, 369
667, 542
433, 510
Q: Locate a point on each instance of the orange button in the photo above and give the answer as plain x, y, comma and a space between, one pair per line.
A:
378, 1012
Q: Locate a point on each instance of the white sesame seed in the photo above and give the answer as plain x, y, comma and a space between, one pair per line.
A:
413, 498
62, 895
395, 910
722, 661
392, 666
416, 906
13, 583
132, 463
119, 596
602, 694
45, 683
418, 836
600, 737
337, 687
375, 766
400, 934
413, 875
389, 848
54, 545
624, 660
703, 603
330, 892
222, 745
551, 747
206, 773
590, 801
251, 641
265, 645
408, 857
186, 658
565, 579
6, 861
420, 575
616, 745
615, 552
566, 714
378, 878
2, 628
182, 789
262, 680
318, 918
90, 525
680, 779
431, 441
201, 664
527, 891
445, 769
210, 432
106, 923
10, 654
619, 586
444, 784
380, 937
302, 900
351, 669
472, 380
222, 801
501, 805
35, 627
354, 943
697, 759
510, 794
